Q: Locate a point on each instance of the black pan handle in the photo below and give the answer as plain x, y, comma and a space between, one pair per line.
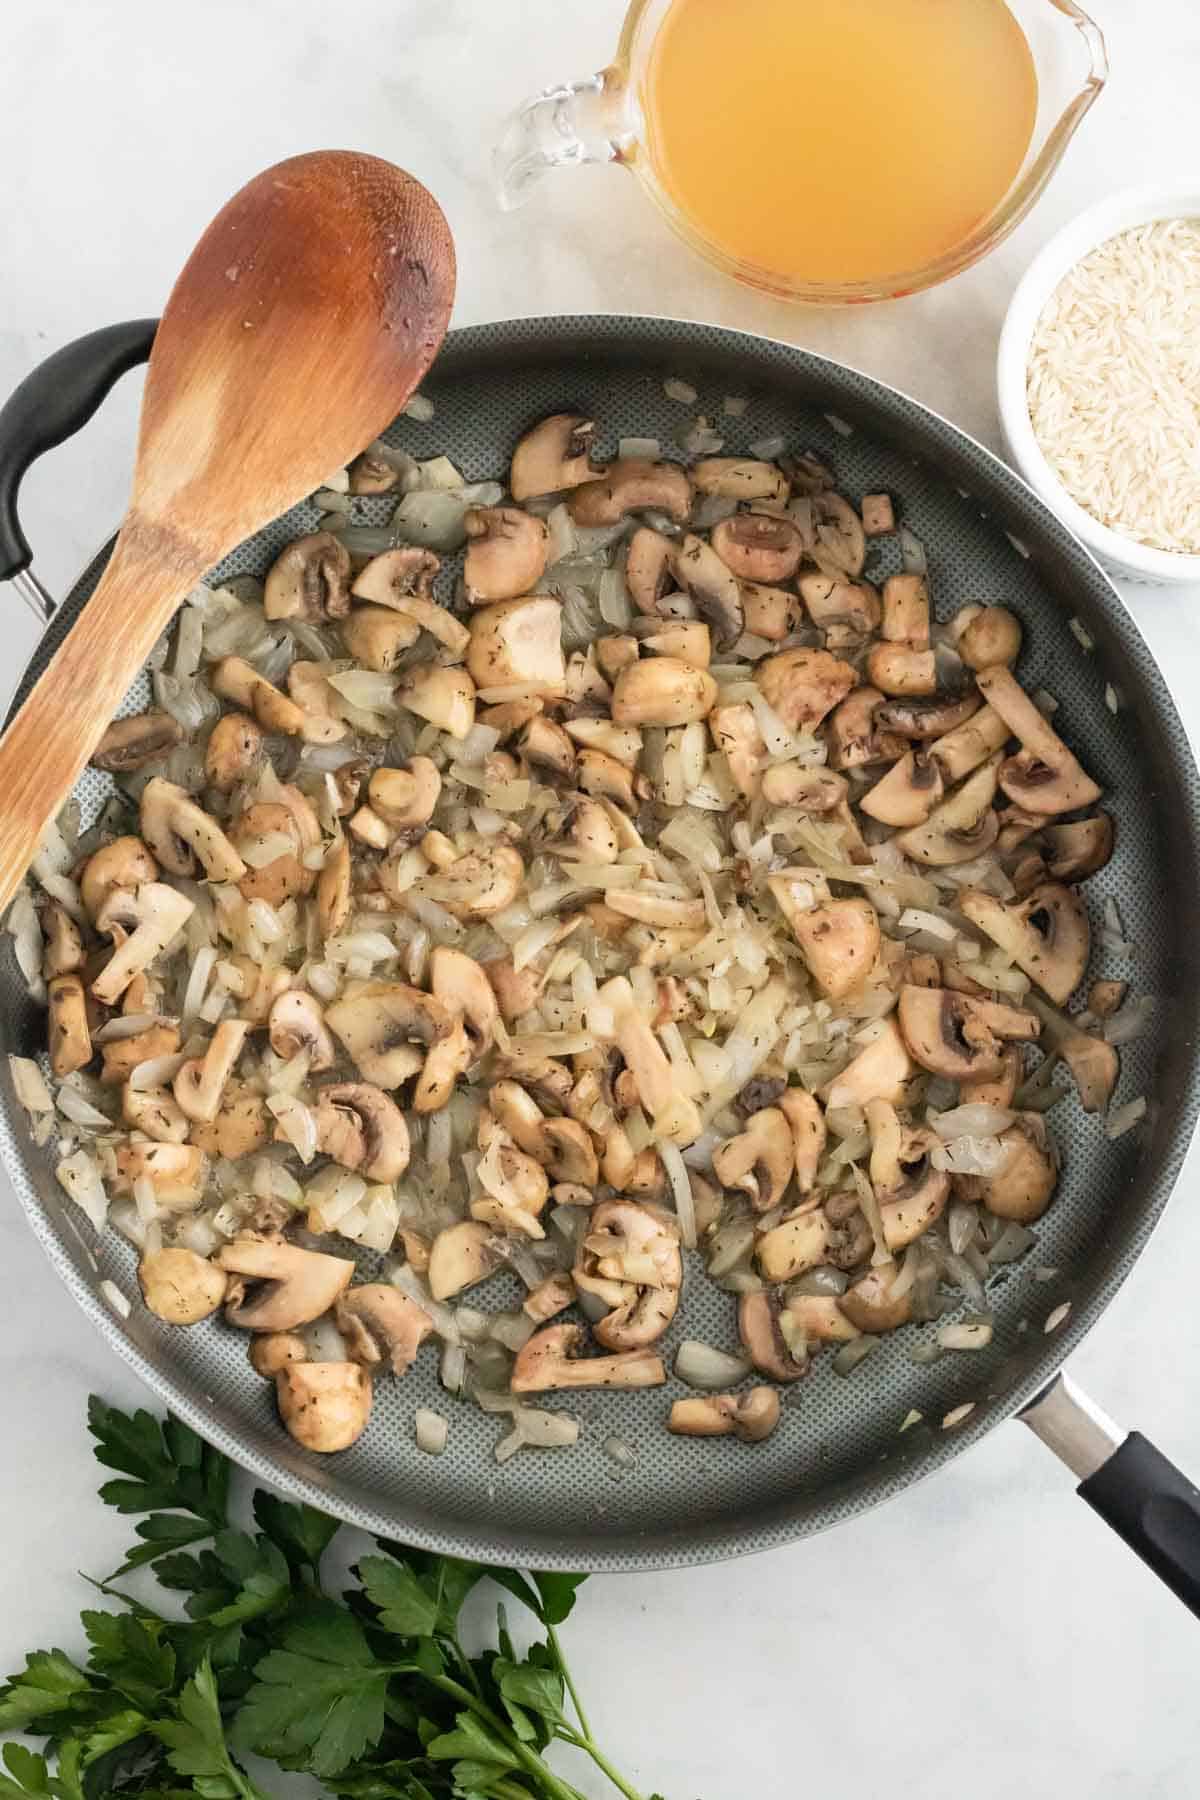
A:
52, 403
1132, 1486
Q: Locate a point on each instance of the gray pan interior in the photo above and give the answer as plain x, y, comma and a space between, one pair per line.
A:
839, 1448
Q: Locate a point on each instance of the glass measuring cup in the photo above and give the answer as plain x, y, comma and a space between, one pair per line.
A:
602, 119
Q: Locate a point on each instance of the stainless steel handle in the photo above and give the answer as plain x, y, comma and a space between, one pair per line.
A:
39, 602
1079, 1432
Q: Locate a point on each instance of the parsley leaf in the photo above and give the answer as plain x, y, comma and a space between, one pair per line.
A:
322, 1692
301, 1532
406, 1608
49, 1686
196, 1744
130, 1651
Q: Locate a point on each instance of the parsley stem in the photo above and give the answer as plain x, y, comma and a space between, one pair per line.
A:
570, 1685
554, 1788
590, 1748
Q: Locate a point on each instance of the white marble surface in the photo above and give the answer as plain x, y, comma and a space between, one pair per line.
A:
983, 1633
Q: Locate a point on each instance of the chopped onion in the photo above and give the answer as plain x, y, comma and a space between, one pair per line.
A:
29, 1085
1133, 1020
975, 1334
431, 1431
683, 391
1124, 1118
912, 553
72, 1105
545, 1430
419, 407
79, 1175
700, 1366
641, 449
850, 1355
297, 1123
621, 1453
681, 1189
974, 1120
766, 449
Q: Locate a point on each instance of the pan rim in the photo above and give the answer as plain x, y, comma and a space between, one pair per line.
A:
786, 1520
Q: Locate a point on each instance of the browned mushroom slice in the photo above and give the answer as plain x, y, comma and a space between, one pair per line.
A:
899, 669
880, 1070
770, 612
296, 1285
132, 743
839, 938
758, 547
958, 1036
963, 826
912, 1194
1079, 849
554, 456
381, 1322
648, 574
803, 686
765, 1344
506, 553
871, 1304
325, 1406
517, 643
712, 587
921, 720
906, 611
760, 1160
800, 1242
310, 580
908, 793
1023, 1187
1047, 935
551, 1359
844, 610
855, 735
1044, 778
629, 1260
841, 546
739, 478
632, 484
751, 1416
986, 635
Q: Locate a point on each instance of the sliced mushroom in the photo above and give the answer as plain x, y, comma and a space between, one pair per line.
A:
906, 611
131, 743
818, 1319
122, 1055
760, 1161
1079, 849
1023, 1186
1047, 935
878, 515
686, 639
122, 865
62, 952
855, 737
1044, 778
986, 635
770, 612
271, 1351
180, 1286
712, 587
297, 1285
759, 547
921, 720
385, 1323
841, 545
551, 1359
751, 1416
310, 580
174, 1171
141, 924
376, 637
964, 748
326, 1406
735, 733
871, 1303
908, 793
994, 1090
285, 875
807, 1124
632, 484
444, 697
839, 939
878, 1072
461, 1256
962, 827
518, 643
593, 833
178, 831
547, 753
846, 611
333, 889
800, 1242
461, 985
380, 1025
958, 1036
648, 573
549, 1297
630, 1260
478, 884
70, 1041
242, 1125
662, 691
764, 1342
362, 1128
912, 1194
154, 1113
297, 1023
554, 456
602, 777
514, 1185
233, 751
739, 478
657, 1083
802, 686
1093, 1062
899, 669
506, 553
401, 580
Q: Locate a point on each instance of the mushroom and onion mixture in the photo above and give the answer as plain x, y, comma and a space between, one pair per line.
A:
675, 886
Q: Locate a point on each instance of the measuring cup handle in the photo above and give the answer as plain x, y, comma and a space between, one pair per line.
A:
52, 403
576, 122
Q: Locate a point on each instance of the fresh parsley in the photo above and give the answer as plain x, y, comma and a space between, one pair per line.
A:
372, 1691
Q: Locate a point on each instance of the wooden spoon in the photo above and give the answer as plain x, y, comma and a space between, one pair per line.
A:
304, 319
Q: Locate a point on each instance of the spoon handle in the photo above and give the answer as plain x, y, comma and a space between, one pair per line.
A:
49, 741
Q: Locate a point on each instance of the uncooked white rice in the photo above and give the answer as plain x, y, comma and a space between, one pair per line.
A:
1114, 384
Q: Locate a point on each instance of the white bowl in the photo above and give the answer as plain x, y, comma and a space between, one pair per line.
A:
1135, 206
